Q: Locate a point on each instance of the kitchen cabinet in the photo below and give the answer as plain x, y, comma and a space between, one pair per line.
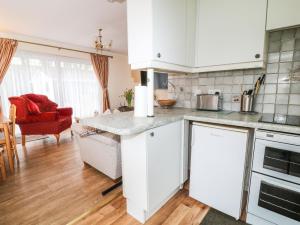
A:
154, 167
218, 161
230, 34
283, 14
161, 34
196, 35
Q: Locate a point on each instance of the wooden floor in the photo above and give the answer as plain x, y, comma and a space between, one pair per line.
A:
180, 210
52, 186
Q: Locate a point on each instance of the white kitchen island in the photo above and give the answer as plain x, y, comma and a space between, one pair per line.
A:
154, 158
152, 168
155, 151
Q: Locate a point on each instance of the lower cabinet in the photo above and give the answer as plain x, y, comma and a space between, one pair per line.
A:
153, 165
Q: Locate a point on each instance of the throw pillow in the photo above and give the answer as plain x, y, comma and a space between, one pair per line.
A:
32, 107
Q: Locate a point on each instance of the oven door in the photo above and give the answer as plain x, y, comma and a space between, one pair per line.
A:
274, 200
277, 159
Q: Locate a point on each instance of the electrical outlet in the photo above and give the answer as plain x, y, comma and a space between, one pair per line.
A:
213, 91
236, 99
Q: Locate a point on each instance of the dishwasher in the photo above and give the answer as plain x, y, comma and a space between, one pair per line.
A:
219, 155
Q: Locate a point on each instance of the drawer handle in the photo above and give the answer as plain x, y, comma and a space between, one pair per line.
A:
152, 134
158, 55
216, 135
270, 135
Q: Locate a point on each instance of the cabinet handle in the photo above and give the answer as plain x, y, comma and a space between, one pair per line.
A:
257, 56
152, 134
270, 135
158, 55
216, 135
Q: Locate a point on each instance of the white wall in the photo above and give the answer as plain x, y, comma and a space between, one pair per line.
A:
119, 79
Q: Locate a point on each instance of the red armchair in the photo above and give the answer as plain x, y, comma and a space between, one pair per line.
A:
37, 115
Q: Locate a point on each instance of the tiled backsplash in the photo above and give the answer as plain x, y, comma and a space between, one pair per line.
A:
277, 95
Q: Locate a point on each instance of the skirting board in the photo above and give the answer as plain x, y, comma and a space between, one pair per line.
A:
140, 214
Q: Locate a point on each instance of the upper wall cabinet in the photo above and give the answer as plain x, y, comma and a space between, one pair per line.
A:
161, 34
283, 13
230, 34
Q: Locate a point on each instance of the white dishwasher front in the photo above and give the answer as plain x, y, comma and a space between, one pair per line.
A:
218, 159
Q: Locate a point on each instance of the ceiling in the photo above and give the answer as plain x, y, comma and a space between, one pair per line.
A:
73, 22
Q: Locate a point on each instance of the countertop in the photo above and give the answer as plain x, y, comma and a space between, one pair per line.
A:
126, 124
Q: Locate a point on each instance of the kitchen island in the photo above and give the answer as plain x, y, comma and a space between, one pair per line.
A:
155, 150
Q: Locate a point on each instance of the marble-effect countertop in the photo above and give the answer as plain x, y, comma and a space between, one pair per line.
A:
126, 124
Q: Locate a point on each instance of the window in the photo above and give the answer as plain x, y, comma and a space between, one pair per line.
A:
66, 81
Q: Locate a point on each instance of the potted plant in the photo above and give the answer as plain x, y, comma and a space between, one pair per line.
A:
128, 94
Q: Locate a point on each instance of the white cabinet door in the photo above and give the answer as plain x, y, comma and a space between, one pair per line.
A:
283, 13
164, 162
161, 34
217, 167
229, 33
191, 12
169, 31
139, 29
153, 168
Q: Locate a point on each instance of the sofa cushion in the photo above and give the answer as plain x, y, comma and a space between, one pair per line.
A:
67, 111
43, 102
32, 107
53, 127
42, 117
22, 110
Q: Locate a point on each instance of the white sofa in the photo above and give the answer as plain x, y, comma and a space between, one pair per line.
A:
100, 150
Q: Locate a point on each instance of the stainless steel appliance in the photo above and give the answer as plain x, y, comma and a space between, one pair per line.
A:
211, 102
247, 103
275, 179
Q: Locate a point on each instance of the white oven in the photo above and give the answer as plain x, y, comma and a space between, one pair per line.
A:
275, 180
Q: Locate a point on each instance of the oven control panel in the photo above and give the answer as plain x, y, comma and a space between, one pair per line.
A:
278, 137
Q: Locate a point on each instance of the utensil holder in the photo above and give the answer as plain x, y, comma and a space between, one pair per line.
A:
247, 103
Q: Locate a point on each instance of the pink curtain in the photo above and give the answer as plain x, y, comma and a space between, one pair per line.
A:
100, 64
8, 48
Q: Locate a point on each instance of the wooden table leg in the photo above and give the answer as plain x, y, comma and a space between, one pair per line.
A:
8, 149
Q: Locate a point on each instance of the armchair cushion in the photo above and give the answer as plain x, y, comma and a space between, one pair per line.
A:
44, 104
32, 107
65, 111
42, 117
22, 109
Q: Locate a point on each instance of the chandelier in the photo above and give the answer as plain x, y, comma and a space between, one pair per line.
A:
99, 45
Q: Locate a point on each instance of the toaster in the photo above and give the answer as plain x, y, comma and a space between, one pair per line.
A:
212, 102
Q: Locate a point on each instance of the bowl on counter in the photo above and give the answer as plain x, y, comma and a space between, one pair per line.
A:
166, 103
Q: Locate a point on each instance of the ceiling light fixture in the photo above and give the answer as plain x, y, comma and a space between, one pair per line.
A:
99, 45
